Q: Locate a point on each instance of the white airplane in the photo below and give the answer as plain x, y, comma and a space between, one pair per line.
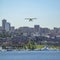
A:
30, 19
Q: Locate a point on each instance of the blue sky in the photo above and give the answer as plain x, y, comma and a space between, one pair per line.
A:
47, 12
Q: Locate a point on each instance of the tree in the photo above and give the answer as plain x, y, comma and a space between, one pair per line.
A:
31, 45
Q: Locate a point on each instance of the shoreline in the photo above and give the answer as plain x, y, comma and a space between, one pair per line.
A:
30, 50
38, 48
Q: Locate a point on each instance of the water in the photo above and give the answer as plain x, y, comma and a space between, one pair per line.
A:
30, 55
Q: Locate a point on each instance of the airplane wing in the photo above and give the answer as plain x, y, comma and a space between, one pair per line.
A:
30, 18
33, 18
27, 18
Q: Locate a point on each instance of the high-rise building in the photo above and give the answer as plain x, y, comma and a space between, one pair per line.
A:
3, 24
7, 26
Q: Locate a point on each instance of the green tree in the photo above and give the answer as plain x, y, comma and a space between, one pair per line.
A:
31, 45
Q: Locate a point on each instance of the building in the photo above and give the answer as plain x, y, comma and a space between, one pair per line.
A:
7, 26
0, 29
3, 24
37, 28
12, 29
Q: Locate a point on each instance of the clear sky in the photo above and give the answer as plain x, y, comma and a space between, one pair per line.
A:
47, 12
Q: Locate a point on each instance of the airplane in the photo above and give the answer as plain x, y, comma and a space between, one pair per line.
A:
30, 19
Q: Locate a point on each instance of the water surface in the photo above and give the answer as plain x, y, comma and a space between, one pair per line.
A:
30, 55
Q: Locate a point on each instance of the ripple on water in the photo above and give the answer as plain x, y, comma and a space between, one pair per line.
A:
30, 55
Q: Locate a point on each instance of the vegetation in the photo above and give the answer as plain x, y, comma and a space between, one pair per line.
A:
54, 47
39, 46
31, 45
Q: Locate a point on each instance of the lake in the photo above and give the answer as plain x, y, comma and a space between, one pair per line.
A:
29, 55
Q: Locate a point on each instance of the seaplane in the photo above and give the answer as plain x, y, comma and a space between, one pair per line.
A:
45, 48
30, 19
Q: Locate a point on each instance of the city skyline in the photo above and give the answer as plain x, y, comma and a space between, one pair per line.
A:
5, 25
46, 12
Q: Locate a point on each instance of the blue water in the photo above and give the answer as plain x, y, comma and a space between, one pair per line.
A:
30, 55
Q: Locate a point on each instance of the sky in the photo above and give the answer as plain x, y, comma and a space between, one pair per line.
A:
47, 12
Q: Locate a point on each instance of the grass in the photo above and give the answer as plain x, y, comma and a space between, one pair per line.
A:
39, 46
42, 46
54, 47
